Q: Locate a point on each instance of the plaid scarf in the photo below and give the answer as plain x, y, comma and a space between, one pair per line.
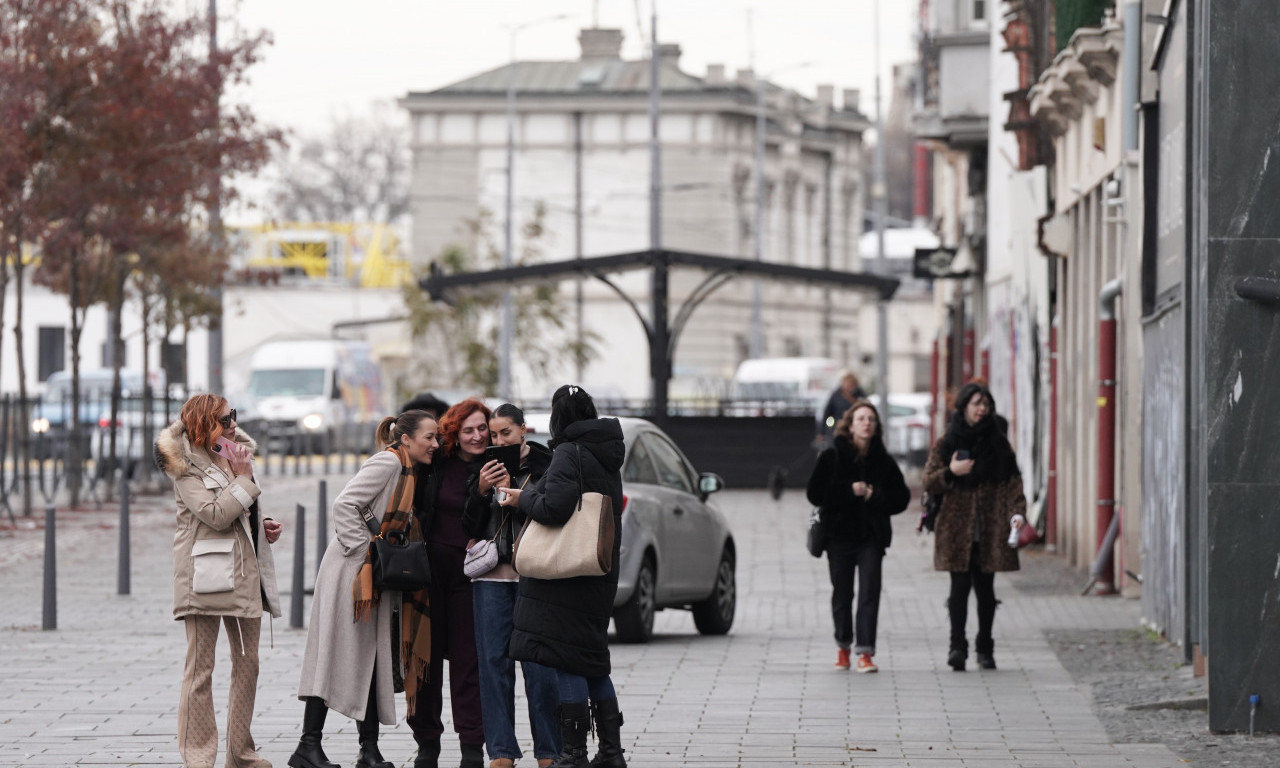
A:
415, 611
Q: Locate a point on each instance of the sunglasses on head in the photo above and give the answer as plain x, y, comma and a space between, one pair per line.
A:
228, 420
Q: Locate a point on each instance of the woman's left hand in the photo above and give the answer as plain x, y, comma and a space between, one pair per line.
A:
273, 529
512, 497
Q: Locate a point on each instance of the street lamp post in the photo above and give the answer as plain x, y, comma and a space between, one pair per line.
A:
878, 192
506, 329
756, 348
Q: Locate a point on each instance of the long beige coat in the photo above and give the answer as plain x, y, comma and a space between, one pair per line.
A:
215, 568
993, 504
342, 654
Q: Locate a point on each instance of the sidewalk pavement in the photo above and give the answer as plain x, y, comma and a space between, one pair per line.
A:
102, 689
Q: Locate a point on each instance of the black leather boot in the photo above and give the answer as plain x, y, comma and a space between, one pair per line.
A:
370, 757
472, 755
575, 721
309, 754
609, 732
428, 754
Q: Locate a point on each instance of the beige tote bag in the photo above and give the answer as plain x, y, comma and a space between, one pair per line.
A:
583, 546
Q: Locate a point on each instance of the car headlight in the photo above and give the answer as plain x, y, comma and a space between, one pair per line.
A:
312, 421
40, 425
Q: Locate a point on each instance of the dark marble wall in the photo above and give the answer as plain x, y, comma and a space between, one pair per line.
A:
1240, 136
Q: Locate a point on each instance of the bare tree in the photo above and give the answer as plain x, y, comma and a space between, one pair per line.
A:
358, 171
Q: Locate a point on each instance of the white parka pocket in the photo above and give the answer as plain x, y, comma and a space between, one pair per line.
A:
213, 566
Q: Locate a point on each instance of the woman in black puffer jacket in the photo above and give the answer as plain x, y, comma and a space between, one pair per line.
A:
857, 486
564, 623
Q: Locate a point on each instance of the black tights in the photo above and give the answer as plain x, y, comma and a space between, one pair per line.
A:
983, 586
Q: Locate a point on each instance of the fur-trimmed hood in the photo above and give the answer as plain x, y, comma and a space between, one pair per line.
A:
173, 448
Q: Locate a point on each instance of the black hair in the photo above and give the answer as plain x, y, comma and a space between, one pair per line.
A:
967, 392
426, 401
570, 403
511, 412
393, 428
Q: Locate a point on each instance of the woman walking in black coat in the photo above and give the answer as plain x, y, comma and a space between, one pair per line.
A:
564, 623
857, 486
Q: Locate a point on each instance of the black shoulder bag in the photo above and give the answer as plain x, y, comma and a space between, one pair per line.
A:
398, 564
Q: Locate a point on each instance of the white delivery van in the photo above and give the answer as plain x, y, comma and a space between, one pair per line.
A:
311, 391
771, 385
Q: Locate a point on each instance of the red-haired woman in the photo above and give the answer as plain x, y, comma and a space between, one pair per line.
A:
464, 434
222, 571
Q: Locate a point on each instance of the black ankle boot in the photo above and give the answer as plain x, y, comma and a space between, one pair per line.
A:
575, 721
428, 754
609, 732
309, 754
472, 756
369, 756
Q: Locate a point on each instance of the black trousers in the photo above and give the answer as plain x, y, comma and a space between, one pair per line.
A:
843, 560
983, 587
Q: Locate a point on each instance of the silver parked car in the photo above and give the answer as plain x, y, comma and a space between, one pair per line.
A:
677, 549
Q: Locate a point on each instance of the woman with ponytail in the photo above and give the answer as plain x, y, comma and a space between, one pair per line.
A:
349, 663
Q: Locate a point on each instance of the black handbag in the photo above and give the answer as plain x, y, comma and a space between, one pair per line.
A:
398, 564
817, 538
932, 503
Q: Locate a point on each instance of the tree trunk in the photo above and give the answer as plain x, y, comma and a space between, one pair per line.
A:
24, 413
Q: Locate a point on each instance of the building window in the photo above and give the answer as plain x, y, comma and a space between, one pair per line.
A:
173, 358
980, 11
52, 350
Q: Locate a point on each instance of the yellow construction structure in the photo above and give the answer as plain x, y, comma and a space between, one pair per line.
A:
364, 254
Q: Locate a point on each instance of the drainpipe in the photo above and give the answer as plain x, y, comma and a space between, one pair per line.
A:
1051, 505
1104, 576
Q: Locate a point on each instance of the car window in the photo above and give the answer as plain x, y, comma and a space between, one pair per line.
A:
639, 466
672, 471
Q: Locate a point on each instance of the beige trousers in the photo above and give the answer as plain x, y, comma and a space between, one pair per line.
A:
197, 729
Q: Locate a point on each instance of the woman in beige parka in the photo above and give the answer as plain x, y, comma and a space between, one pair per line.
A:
223, 572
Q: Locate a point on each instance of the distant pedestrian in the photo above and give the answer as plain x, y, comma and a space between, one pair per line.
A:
564, 623
464, 434
222, 572
975, 472
857, 486
844, 396
350, 664
494, 597
426, 401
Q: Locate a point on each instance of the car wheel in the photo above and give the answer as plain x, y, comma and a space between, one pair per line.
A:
714, 616
634, 618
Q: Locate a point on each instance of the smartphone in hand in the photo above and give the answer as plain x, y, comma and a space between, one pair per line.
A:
962, 455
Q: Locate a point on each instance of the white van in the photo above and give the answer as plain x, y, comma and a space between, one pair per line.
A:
313, 390
770, 385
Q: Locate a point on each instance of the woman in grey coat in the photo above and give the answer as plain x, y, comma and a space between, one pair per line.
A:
348, 663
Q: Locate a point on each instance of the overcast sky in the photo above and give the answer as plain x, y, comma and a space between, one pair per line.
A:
332, 58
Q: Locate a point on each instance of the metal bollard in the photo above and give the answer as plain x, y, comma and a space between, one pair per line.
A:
299, 562
122, 561
322, 522
49, 615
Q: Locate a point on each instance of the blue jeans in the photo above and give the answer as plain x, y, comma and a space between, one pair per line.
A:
576, 689
494, 603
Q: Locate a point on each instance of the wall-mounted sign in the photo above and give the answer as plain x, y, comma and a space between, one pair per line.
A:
935, 264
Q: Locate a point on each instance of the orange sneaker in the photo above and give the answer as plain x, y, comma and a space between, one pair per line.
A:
842, 658
865, 664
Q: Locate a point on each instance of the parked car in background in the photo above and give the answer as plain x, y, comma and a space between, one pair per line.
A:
51, 414
771, 386
134, 435
906, 426
677, 549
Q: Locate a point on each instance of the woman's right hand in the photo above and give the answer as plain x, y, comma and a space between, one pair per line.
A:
492, 475
240, 459
960, 467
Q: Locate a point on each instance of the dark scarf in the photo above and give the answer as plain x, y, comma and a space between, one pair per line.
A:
993, 458
415, 611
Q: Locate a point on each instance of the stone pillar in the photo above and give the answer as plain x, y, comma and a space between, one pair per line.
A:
1235, 186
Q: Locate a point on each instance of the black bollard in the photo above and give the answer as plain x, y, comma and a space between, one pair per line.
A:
122, 561
50, 614
322, 522
299, 562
